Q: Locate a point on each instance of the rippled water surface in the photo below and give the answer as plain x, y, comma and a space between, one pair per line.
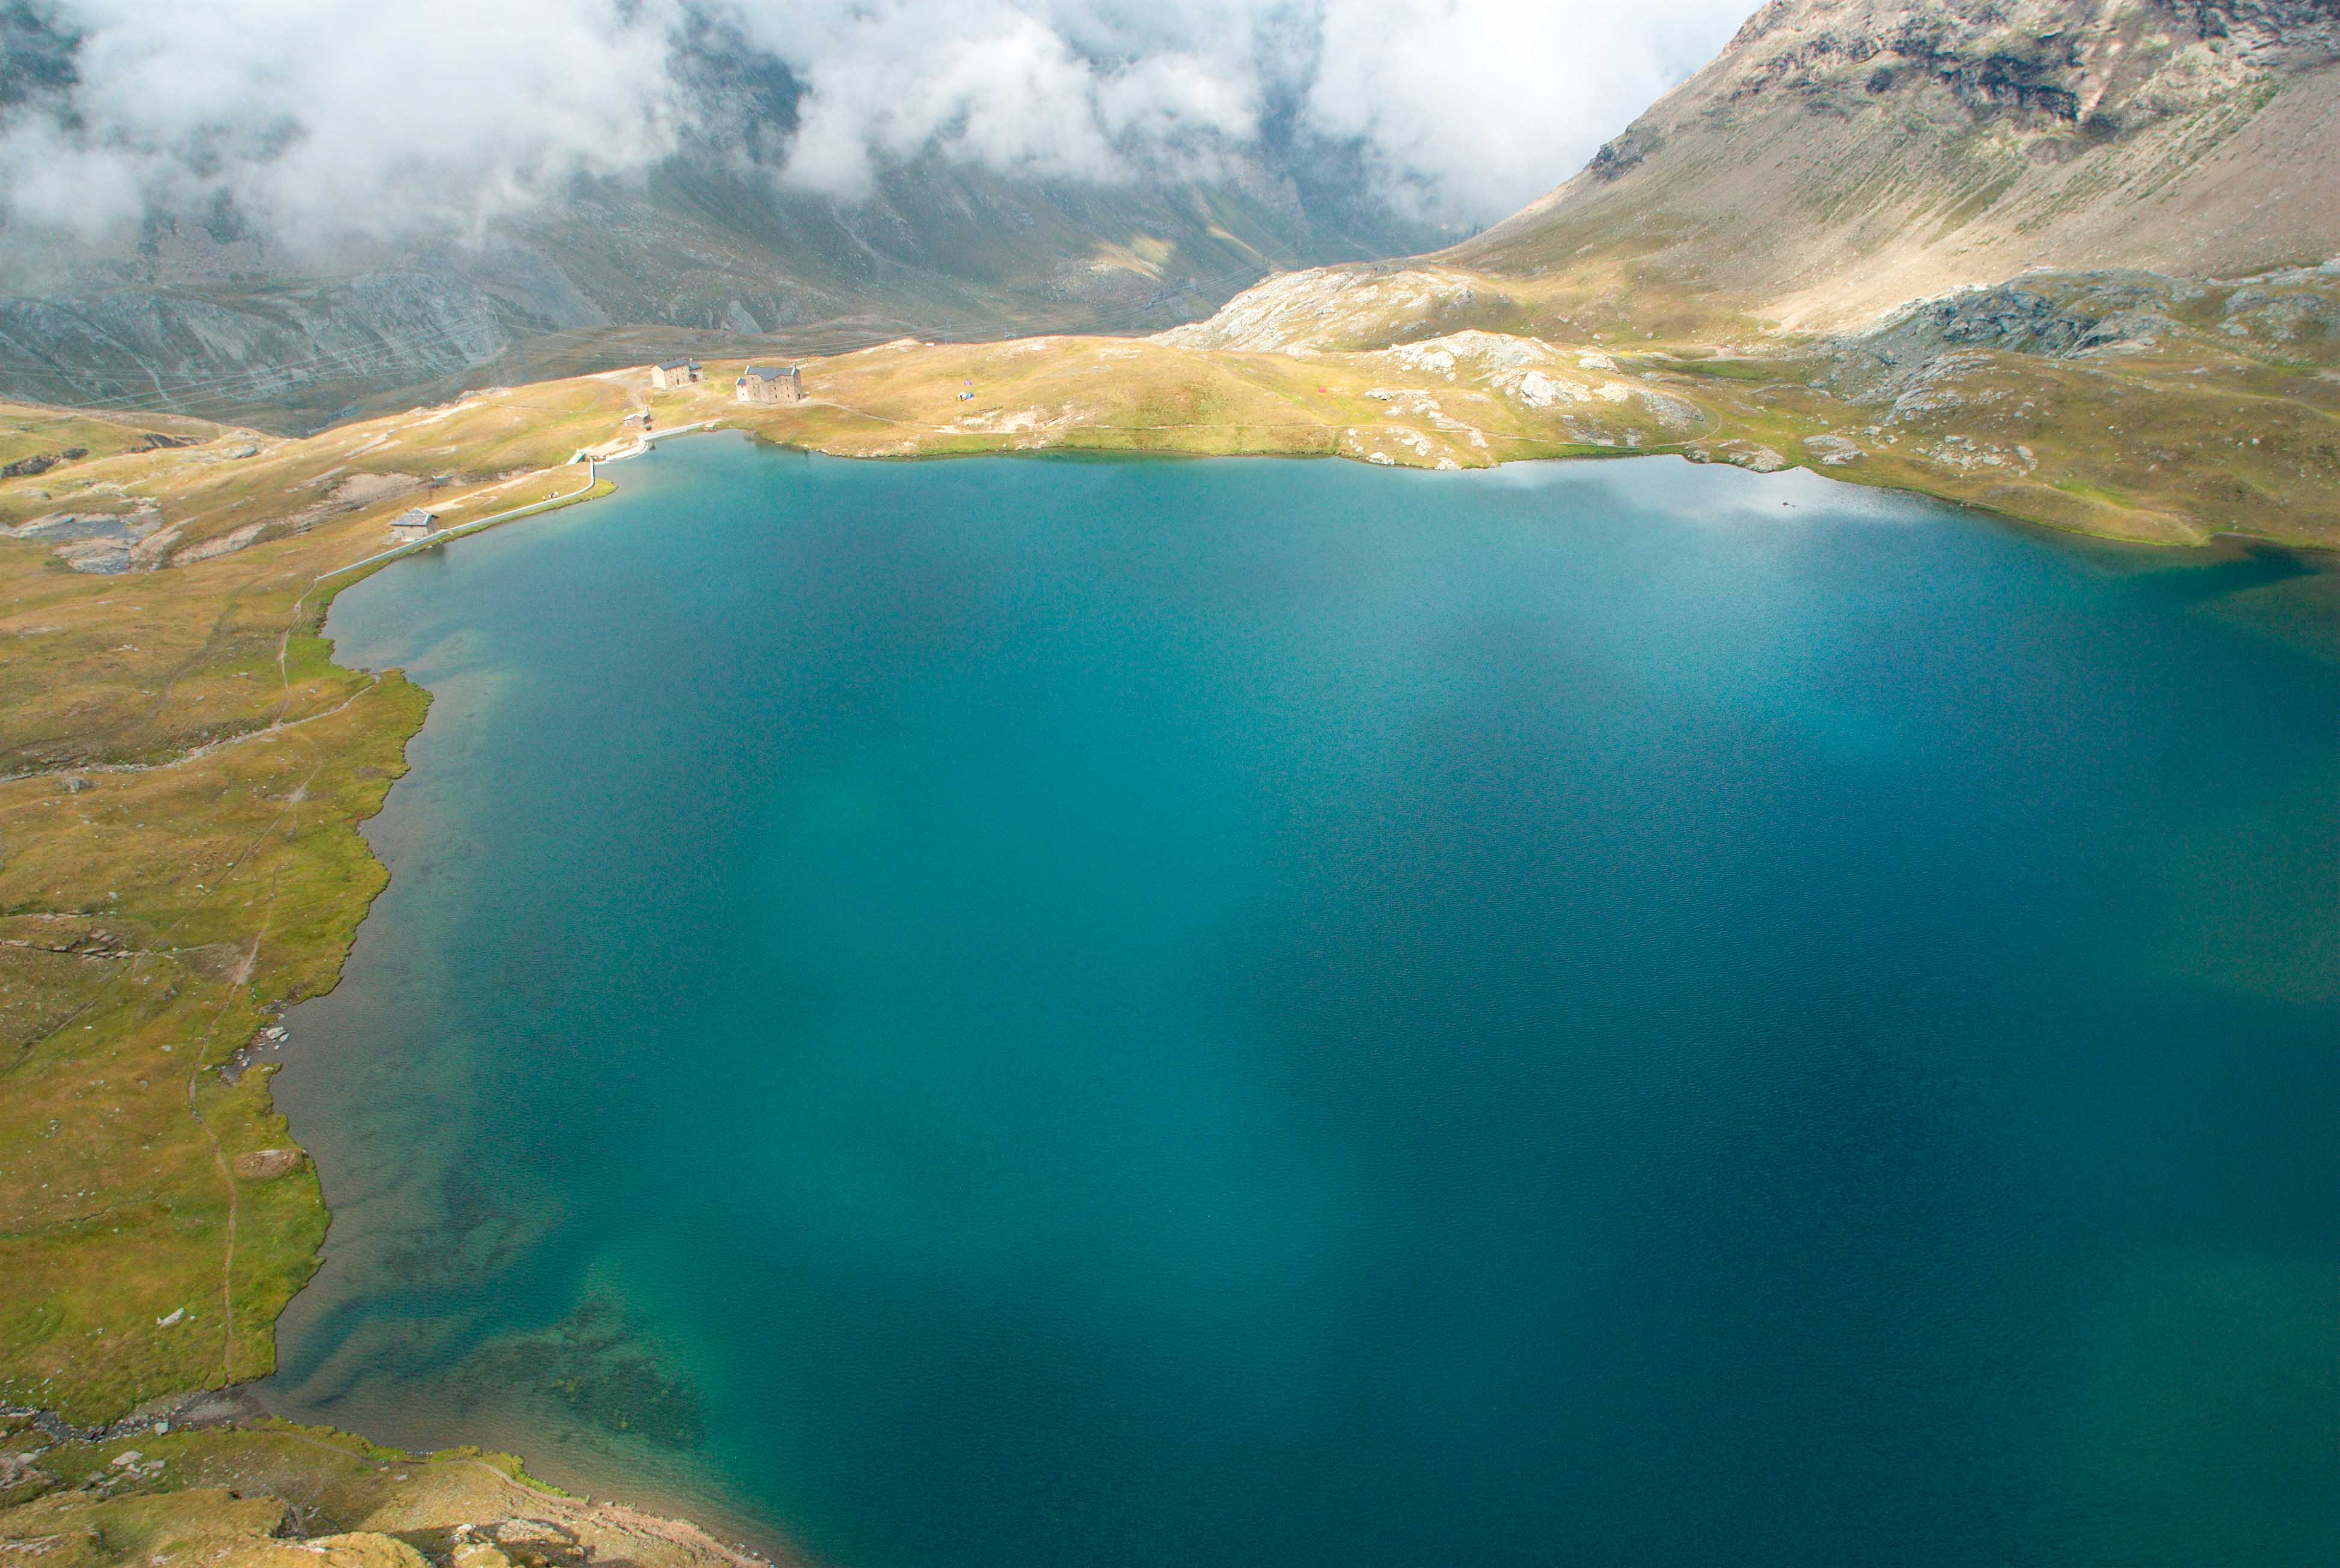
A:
1052, 1013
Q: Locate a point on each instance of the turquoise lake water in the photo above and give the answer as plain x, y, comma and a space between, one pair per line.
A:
1049, 1013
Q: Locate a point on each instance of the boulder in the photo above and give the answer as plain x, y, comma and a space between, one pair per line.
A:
366, 1549
267, 1164
1747, 455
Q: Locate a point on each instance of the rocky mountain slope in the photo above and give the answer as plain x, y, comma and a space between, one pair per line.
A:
1841, 157
203, 316
2076, 260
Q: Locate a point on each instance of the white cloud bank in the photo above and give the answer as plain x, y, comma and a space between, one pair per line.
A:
333, 117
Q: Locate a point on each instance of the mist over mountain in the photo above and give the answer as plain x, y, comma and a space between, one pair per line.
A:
286, 205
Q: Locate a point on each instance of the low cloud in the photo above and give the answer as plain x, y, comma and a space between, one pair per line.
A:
1053, 92
325, 118
1469, 109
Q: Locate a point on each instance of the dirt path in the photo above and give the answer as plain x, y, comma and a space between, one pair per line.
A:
241, 976
219, 1157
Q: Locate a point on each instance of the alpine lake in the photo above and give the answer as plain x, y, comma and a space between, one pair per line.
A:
1056, 1012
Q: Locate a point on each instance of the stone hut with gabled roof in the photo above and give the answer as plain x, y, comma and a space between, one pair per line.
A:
770, 383
669, 373
410, 526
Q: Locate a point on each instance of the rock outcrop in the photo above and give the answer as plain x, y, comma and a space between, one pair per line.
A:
2084, 316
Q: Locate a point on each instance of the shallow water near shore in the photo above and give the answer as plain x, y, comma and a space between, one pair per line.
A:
1266, 1012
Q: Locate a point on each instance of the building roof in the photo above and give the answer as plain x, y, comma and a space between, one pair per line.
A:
771, 372
678, 364
415, 515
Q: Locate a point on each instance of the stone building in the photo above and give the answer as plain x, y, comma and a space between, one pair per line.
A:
416, 524
671, 374
771, 383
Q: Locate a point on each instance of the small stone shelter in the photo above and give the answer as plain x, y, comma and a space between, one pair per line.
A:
414, 525
771, 383
671, 374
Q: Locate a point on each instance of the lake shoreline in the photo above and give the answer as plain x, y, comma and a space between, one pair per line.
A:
2214, 551
1754, 517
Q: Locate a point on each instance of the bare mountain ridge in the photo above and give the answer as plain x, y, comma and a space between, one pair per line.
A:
1841, 157
202, 317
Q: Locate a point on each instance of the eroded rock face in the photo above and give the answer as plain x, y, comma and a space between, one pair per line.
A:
2063, 59
2068, 75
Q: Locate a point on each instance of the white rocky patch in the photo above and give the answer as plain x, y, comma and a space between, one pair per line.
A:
1426, 357
1522, 368
1670, 410
999, 422
1537, 390
1302, 312
1489, 352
